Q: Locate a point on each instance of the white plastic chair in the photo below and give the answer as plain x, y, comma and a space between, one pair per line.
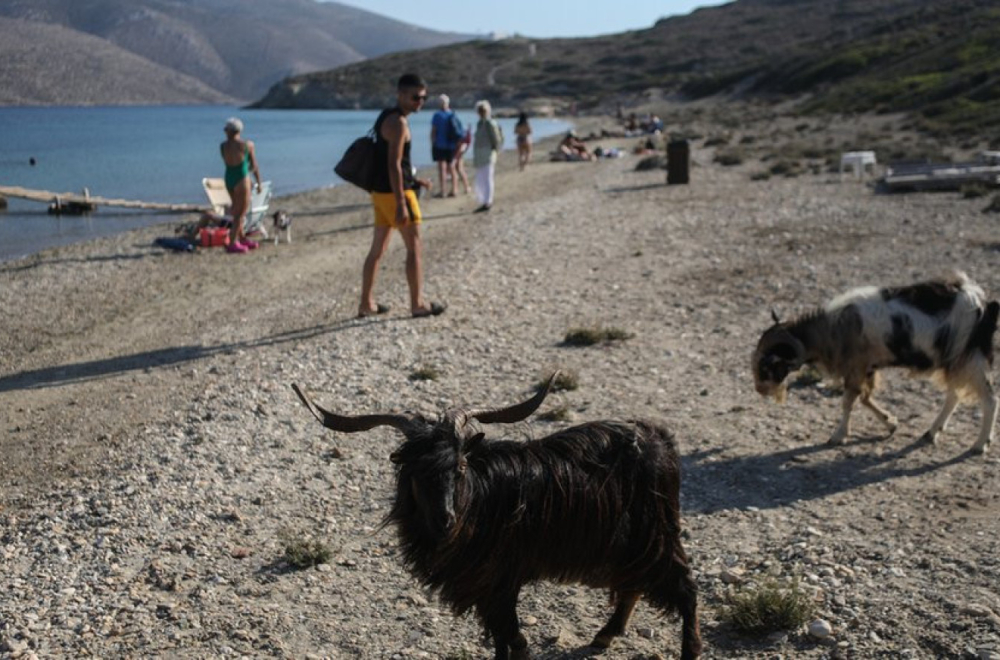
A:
260, 201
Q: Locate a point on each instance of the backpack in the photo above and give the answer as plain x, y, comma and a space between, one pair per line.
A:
357, 165
455, 129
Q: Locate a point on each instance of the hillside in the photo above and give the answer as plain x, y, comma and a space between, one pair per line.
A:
48, 64
940, 58
237, 47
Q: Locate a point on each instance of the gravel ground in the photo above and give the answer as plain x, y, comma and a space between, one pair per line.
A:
154, 460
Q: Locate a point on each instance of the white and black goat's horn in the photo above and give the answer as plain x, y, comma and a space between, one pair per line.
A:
347, 424
518, 411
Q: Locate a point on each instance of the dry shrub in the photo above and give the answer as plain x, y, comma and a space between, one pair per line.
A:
592, 336
729, 157
303, 552
425, 372
789, 168
656, 162
566, 380
994, 206
974, 190
558, 414
768, 608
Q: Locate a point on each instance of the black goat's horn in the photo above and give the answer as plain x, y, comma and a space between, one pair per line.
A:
518, 411
774, 316
346, 424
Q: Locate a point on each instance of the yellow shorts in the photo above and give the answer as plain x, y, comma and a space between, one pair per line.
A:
385, 208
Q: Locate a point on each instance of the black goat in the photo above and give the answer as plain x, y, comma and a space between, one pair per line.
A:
596, 504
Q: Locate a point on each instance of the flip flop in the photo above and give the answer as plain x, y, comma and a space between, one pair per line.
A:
379, 309
436, 309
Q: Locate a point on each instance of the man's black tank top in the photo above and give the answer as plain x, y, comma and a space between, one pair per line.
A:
382, 158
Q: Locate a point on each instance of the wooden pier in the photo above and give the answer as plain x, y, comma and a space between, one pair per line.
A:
64, 198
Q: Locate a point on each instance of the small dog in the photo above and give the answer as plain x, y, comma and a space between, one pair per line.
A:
282, 221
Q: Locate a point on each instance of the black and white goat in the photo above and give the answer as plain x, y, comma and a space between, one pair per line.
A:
596, 504
941, 329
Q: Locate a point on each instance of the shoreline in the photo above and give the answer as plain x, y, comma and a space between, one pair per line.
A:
154, 459
27, 228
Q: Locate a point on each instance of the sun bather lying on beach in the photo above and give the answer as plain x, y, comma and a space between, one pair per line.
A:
572, 149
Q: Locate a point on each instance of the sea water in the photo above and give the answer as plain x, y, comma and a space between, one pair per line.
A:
161, 154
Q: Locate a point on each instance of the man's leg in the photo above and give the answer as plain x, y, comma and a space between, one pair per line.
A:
442, 170
380, 240
414, 265
454, 179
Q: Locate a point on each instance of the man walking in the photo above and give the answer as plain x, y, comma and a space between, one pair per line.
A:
395, 201
444, 144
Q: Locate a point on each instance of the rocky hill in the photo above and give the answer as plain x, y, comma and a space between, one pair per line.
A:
939, 58
51, 65
238, 48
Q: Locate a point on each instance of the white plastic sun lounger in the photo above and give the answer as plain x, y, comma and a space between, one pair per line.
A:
260, 200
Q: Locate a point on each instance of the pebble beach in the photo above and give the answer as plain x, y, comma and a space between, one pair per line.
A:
155, 462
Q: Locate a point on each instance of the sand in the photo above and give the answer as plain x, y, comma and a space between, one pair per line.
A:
154, 460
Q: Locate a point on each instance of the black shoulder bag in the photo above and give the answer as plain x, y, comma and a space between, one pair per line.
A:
357, 165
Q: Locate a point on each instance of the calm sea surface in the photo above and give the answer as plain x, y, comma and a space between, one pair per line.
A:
160, 154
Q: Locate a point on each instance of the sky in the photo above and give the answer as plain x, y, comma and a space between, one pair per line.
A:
532, 18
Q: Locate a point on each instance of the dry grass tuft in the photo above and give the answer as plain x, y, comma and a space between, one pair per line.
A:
566, 381
768, 608
558, 414
425, 372
304, 552
592, 336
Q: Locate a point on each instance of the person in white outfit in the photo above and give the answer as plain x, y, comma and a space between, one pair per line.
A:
485, 145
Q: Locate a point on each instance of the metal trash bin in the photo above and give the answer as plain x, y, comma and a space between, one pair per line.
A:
678, 161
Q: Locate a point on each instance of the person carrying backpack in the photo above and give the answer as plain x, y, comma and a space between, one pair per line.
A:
446, 132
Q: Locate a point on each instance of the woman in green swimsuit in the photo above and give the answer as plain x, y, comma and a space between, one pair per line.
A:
240, 160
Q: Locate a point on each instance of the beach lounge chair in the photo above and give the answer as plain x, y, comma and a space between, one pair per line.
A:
260, 200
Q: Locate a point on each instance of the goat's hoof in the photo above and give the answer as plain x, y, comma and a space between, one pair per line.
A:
928, 438
602, 641
835, 441
891, 425
520, 654
980, 448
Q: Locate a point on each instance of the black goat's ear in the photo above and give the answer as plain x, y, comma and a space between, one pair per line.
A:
395, 457
774, 316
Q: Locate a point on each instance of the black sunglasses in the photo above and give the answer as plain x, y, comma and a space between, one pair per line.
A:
419, 97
